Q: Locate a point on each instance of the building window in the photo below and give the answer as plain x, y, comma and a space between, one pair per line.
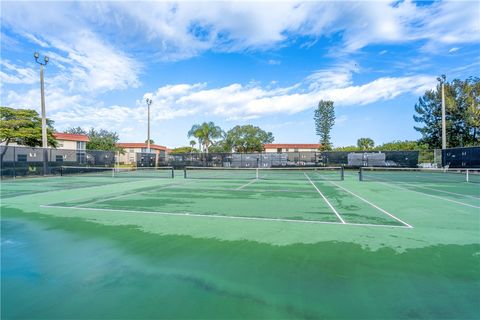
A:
21, 157
279, 150
58, 158
132, 150
295, 150
60, 144
81, 157
81, 145
286, 150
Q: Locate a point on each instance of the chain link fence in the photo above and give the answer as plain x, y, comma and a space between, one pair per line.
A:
26, 161
461, 157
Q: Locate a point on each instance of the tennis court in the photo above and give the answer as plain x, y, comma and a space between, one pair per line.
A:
296, 242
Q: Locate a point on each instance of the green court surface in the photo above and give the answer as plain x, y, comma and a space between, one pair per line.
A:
306, 245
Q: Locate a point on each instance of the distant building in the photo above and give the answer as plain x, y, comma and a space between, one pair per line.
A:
65, 141
133, 149
290, 147
70, 148
71, 141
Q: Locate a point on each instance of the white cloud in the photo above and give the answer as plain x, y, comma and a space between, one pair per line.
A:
87, 62
55, 99
274, 62
10, 73
453, 50
237, 101
89, 45
97, 66
179, 30
234, 101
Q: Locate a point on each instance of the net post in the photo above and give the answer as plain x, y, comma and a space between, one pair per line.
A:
360, 174
342, 173
173, 173
61, 171
468, 178
256, 173
113, 172
185, 172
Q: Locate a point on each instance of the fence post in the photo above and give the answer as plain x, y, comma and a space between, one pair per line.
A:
14, 166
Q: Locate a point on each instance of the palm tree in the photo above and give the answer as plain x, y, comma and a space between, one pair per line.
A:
365, 143
206, 133
193, 143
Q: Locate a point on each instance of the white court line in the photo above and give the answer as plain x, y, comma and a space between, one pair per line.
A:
326, 200
188, 214
427, 194
171, 185
444, 191
126, 195
309, 191
246, 184
373, 205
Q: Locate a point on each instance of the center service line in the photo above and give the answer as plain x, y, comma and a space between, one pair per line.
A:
324, 198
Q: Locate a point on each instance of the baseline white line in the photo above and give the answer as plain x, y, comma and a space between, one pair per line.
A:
373, 205
324, 198
246, 184
427, 194
188, 214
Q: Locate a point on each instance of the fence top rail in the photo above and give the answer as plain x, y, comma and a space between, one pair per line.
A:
275, 168
417, 169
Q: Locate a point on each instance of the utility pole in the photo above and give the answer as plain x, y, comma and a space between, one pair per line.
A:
149, 102
36, 55
444, 126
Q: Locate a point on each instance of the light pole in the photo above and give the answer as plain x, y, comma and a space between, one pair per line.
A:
444, 125
44, 117
42, 97
149, 102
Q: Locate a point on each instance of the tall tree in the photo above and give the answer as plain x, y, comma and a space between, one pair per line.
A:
220, 146
206, 133
398, 145
183, 150
462, 104
24, 127
76, 130
247, 138
324, 120
102, 140
193, 143
99, 139
365, 143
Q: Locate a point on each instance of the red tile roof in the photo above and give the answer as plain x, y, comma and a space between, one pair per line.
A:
292, 145
140, 145
70, 136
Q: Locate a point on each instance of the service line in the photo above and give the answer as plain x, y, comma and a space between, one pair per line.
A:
189, 214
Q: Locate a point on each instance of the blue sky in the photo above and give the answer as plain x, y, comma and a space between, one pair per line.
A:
264, 63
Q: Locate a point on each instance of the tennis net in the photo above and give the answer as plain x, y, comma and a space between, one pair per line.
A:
303, 173
140, 172
413, 175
